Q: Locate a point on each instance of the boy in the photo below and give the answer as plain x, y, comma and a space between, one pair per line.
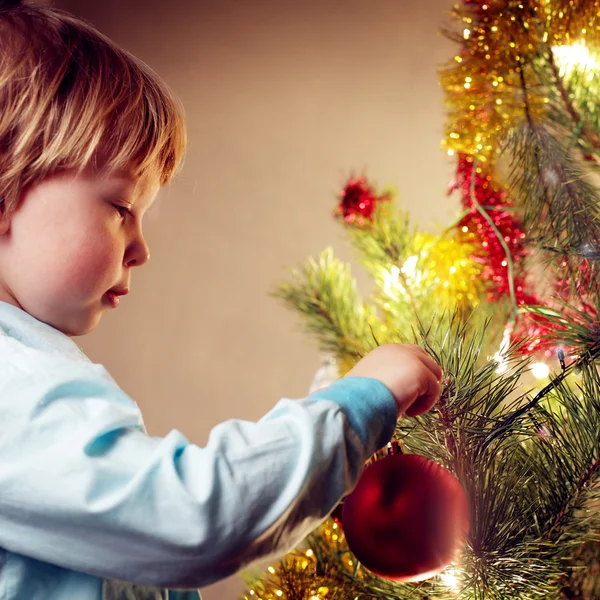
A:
88, 135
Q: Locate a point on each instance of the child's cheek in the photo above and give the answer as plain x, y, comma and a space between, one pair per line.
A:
93, 264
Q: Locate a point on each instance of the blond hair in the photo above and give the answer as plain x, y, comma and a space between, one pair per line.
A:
70, 98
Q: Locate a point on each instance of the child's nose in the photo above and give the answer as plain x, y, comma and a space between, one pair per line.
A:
138, 254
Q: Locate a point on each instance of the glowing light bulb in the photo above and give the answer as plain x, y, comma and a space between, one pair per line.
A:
450, 579
540, 370
500, 356
390, 281
576, 55
410, 266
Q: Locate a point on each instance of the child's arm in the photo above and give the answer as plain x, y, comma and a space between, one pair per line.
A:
82, 486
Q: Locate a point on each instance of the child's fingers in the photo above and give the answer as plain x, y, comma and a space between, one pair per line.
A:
426, 400
430, 363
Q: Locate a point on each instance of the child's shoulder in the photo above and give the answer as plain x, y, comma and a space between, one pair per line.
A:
22, 334
38, 362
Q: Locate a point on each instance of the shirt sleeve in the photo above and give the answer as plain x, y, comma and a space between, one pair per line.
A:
83, 487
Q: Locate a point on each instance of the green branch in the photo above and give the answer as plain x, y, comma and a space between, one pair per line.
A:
490, 221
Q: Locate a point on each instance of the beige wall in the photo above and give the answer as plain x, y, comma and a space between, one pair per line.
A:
283, 99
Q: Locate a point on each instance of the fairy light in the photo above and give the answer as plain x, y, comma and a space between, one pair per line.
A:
574, 56
410, 266
540, 370
390, 281
500, 356
450, 579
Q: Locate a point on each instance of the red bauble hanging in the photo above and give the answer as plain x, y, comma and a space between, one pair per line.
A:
407, 518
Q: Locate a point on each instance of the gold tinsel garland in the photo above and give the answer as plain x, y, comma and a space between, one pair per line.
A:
443, 268
489, 83
302, 575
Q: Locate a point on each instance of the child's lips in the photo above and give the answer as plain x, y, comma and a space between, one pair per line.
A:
113, 298
113, 295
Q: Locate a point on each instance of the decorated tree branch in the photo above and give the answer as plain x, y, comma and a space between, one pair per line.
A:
493, 494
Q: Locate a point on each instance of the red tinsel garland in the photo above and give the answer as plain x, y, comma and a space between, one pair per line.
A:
358, 201
492, 255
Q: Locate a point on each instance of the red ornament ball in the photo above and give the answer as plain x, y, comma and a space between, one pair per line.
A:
407, 518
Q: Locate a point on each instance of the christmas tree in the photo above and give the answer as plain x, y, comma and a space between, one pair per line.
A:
506, 299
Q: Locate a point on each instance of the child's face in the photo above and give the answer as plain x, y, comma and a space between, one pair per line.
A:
67, 245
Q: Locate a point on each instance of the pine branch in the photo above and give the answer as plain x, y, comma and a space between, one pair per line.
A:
382, 248
478, 432
504, 426
576, 328
570, 457
566, 97
324, 292
561, 208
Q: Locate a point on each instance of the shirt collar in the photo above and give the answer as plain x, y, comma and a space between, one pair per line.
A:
20, 325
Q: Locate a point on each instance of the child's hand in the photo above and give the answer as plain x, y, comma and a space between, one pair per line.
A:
411, 375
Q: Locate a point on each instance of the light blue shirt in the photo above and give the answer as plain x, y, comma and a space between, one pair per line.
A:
88, 499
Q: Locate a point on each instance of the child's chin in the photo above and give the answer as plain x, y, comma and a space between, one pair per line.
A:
78, 327
88, 328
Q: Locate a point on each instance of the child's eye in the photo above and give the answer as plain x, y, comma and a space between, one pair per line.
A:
122, 210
